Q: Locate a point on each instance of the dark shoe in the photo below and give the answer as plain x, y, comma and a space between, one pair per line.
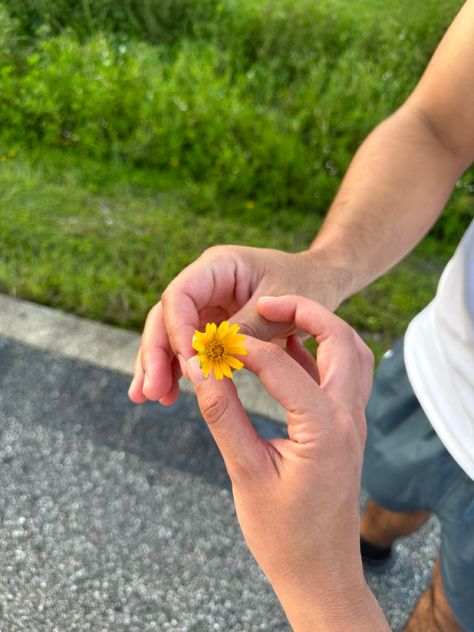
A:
374, 557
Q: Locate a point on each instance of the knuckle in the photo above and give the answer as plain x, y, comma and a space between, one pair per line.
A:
362, 429
345, 419
368, 357
168, 293
346, 424
343, 332
152, 315
348, 335
213, 407
223, 252
273, 353
353, 428
364, 350
215, 252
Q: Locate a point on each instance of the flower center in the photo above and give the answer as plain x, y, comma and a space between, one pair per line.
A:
215, 350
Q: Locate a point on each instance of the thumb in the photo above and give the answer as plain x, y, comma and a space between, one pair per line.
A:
255, 325
242, 449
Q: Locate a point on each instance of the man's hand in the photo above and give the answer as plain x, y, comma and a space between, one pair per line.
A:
297, 499
225, 283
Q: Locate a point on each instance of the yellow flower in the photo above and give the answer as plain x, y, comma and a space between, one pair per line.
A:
216, 348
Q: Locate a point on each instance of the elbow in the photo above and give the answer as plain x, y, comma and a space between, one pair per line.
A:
453, 139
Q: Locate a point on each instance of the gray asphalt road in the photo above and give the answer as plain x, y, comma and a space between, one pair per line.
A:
116, 517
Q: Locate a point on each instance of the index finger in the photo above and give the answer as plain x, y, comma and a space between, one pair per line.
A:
341, 374
208, 282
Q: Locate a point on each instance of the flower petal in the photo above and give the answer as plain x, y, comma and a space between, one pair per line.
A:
198, 345
199, 341
226, 370
233, 329
233, 362
222, 330
218, 373
211, 329
235, 339
206, 367
236, 350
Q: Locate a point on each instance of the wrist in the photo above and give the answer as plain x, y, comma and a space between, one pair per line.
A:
332, 273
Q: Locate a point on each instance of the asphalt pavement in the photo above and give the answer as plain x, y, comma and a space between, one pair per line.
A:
116, 517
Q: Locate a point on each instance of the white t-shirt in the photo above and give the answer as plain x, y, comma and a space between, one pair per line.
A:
439, 356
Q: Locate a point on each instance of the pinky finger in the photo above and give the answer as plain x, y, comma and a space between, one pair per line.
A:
135, 391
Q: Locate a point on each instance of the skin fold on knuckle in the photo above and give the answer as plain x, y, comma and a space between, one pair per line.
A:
213, 405
273, 354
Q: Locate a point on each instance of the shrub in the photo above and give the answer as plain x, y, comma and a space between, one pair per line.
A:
261, 100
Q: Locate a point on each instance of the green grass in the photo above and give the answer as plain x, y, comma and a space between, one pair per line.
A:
103, 241
264, 99
133, 135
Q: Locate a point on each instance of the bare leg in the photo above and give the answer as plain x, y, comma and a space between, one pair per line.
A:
432, 612
381, 526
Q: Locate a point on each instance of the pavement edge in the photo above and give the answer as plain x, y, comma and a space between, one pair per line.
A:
102, 345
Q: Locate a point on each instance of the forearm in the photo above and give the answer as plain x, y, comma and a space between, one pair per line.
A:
395, 188
318, 607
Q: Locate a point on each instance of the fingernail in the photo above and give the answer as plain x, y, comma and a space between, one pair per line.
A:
182, 364
266, 299
146, 382
193, 371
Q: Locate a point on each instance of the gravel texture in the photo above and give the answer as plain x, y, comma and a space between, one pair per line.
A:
118, 517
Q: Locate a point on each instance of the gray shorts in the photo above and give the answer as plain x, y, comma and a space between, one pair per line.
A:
406, 467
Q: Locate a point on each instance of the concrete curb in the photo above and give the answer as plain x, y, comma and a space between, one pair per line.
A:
103, 346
